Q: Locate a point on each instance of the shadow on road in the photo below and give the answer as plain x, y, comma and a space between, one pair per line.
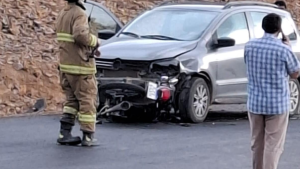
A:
226, 116
212, 117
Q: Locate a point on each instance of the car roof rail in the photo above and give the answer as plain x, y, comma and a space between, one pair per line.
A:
187, 2
248, 3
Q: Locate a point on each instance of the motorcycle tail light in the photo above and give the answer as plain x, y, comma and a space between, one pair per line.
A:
165, 94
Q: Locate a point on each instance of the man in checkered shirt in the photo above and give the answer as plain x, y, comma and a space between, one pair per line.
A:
270, 63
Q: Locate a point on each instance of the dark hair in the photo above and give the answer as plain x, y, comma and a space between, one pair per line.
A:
271, 23
280, 3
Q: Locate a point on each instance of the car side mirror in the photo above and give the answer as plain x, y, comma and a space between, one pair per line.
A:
106, 34
224, 42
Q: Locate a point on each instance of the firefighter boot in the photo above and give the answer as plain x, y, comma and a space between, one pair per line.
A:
88, 139
65, 136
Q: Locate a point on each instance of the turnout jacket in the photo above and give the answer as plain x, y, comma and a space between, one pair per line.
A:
75, 41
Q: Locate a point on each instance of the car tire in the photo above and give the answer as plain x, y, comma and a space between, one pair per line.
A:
294, 96
194, 101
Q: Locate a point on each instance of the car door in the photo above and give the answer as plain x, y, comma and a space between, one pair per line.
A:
231, 78
102, 22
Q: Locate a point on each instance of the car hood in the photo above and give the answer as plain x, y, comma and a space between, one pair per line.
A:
144, 49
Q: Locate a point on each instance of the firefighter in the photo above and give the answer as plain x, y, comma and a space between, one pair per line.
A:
77, 74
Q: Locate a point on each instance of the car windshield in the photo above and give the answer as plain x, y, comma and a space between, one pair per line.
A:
172, 24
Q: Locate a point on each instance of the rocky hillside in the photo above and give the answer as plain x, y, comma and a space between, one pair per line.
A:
28, 50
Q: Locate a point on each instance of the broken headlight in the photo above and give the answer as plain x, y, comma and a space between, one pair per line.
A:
165, 67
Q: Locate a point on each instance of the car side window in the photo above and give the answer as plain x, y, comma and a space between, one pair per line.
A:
235, 27
287, 27
257, 18
101, 20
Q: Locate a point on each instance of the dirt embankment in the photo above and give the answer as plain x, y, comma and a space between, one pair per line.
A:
28, 49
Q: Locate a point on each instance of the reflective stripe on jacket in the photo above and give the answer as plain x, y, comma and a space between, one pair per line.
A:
65, 37
75, 41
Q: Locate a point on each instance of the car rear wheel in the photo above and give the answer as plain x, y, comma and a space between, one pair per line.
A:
294, 96
195, 101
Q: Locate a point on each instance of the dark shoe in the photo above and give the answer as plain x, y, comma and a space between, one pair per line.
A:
66, 138
88, 140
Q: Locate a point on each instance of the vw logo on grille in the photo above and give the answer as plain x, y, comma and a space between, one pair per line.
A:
117, 64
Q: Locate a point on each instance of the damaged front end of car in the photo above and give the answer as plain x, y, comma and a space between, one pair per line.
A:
146, 85
126, 86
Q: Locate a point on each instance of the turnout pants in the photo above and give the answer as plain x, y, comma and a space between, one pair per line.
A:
268, 133
81, 93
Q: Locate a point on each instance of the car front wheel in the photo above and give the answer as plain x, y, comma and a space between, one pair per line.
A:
195, 101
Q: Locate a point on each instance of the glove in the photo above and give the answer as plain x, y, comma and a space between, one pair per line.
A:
97, 53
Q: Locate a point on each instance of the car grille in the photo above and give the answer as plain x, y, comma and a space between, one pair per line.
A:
120, 73
104, 64
122, 64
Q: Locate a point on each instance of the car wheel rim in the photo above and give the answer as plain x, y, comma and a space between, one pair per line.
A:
200, 101
294, 95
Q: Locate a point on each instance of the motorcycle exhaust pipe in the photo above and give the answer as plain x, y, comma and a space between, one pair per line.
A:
122, 106
125, 105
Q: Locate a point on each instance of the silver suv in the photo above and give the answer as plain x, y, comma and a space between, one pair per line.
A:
195, 49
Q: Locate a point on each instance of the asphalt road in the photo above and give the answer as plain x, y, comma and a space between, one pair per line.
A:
30, 143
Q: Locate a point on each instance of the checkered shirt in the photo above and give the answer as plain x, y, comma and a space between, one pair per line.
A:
268, 63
